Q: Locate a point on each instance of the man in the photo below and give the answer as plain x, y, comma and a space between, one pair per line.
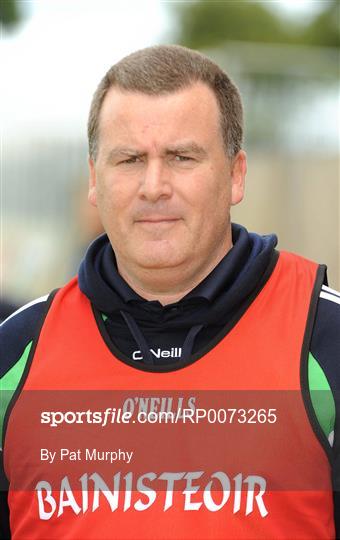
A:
175, 303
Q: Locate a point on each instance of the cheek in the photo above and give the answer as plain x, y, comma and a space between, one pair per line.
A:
208, 195
213, 217
112, 197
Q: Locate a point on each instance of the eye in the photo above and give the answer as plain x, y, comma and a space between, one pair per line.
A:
183, 158
130, 160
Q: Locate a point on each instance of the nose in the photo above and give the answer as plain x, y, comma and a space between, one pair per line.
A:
156, 182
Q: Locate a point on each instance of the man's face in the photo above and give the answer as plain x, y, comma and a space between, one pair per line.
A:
162, 181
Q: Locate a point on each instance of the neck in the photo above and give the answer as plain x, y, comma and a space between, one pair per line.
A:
167, 285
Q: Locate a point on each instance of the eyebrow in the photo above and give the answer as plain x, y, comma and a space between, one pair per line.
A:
187, 148
180, 148
123, 150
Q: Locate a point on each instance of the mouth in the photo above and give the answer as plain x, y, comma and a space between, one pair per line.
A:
157, 220
156, 225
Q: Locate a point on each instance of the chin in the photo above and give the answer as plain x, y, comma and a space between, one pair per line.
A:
154, 263
164, 253
151, 259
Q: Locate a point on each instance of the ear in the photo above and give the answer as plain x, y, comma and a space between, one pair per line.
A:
238, 176
92, 193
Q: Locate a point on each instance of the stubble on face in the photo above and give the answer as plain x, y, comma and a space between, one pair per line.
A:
164, 206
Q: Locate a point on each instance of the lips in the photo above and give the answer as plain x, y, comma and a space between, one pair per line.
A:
157, 219
152, 224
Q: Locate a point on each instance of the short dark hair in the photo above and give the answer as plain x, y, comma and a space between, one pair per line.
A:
163, 69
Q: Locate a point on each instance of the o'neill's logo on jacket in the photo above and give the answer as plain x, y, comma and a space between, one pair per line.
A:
174, 352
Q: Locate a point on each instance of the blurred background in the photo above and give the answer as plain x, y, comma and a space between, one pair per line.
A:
284, 56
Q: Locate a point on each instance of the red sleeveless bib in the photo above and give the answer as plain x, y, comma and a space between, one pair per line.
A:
250, 468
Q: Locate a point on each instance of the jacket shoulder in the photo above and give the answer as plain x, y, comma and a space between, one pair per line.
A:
19, 329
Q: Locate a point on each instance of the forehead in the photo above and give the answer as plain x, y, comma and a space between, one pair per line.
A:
190, 112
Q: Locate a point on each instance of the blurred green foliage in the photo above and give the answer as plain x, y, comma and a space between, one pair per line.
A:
209, 23
325, 29
9, 12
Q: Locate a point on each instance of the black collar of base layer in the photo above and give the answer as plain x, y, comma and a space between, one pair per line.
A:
235, 276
